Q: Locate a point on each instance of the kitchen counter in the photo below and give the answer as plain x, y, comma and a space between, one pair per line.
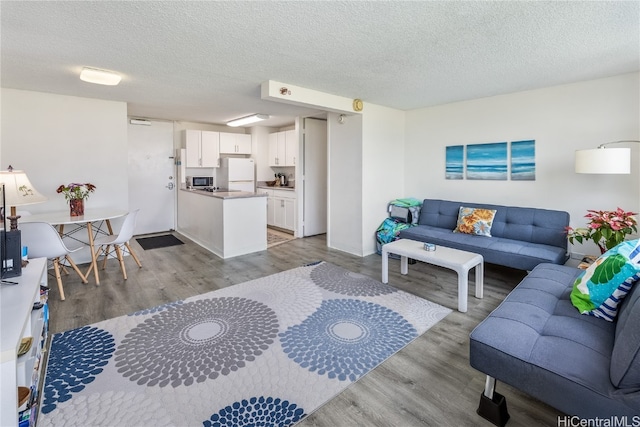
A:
267, 187
227, 223
224, 194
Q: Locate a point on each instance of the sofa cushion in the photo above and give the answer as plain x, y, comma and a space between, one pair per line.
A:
476, 221
512, 253
536, 341
542, 226
625, 358
601, 287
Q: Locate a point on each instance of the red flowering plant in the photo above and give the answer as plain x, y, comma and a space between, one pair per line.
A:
76, 191
607, 229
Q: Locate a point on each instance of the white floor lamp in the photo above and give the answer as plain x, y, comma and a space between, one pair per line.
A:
603, 160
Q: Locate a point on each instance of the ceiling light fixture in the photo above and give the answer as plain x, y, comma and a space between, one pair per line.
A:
247, 120
101, 77
142, 122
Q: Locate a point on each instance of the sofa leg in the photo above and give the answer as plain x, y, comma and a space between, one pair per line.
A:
493, 405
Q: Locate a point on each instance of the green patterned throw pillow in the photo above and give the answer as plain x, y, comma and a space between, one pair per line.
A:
600, 288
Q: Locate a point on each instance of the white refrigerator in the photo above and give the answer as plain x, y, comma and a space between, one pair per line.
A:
236, 174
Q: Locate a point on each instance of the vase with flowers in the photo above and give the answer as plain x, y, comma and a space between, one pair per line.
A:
607, 229
75, 194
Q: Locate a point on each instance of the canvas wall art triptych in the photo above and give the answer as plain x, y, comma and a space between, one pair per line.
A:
492, 161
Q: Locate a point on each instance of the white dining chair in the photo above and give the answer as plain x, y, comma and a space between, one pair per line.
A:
107, 245
43, 241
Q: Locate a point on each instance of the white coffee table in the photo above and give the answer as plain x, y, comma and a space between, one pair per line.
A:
459, 261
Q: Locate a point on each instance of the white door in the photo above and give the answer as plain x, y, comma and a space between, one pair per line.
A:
152, 183
315, 177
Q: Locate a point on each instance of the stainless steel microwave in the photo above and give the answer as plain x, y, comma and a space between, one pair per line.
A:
199, 181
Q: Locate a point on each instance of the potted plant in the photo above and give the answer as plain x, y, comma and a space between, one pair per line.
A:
607, 229
75, 194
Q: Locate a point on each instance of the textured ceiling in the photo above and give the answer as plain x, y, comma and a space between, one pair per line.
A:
205, 61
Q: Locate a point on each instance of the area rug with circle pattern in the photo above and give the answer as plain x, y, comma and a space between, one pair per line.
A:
267, 352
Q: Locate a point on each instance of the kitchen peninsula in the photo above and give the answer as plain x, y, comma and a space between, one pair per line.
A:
228, 223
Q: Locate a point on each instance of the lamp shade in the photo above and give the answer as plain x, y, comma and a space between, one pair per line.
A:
604, 161
18, 190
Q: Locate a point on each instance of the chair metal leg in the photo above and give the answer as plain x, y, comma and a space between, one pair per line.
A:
56, 268
489, 386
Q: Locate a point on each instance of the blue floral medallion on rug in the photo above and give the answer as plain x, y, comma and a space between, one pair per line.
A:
262, 353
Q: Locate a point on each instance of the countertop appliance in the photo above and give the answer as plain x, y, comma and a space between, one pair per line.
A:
284, 181
199, 181
237, 173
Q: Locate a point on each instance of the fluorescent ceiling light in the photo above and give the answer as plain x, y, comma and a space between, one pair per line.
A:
247, 120
142, 122
101, 77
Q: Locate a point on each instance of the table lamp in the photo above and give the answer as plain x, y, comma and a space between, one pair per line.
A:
16, 191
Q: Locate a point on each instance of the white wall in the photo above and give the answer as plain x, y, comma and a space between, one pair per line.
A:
365, 173
60, 139
560, 119
345, 218
383, 179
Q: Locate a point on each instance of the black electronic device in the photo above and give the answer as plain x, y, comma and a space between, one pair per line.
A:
11, 253
10, 248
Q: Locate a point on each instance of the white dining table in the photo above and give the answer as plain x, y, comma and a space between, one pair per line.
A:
93, 220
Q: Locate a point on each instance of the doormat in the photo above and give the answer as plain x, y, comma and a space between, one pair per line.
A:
156, 242
266, 352
274, 239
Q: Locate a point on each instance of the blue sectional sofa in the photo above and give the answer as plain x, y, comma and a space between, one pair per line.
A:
520, 237
538, 342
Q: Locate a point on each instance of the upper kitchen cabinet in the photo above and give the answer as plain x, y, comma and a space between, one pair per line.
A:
277, 147
202, 148
235, 143
291, 149
283, 148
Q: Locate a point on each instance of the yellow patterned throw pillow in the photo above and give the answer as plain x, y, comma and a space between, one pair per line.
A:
476, 221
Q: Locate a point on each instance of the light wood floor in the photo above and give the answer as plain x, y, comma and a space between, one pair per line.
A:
429, 383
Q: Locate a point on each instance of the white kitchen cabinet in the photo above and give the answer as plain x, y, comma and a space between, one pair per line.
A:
202, 148
281, 209
235, 143
191, 142
227, 224
283, 148
277, 149
271, 211
291, 148
210, 149
19, 320
270, 206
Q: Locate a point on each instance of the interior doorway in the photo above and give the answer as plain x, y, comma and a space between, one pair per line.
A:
152, 183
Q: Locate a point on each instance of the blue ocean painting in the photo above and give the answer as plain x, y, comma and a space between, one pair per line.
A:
487, 161
454, 162
523, 160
